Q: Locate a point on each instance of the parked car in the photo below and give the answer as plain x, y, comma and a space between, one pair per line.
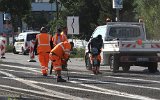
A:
22, 42
125, 45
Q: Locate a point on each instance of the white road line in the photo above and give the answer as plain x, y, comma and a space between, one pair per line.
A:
16, 71
121, 84
47, 91
20, 93
134, 79
20, 67
126, 94
98, 90
119, 93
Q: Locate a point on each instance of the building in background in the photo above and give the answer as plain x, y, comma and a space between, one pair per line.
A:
42, 13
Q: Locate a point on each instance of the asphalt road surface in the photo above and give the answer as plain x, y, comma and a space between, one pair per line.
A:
22, 80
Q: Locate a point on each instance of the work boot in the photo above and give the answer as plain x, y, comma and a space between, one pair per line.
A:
61, 80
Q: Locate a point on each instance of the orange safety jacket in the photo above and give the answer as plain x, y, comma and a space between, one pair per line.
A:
63, 33
56, 37
62, 50
43, 43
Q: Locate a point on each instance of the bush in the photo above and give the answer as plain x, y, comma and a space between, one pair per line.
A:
9, 48
78, 53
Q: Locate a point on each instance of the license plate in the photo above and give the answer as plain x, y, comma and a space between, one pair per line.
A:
142, 59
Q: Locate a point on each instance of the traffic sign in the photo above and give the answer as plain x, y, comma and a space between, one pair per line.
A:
73, 24
117, 4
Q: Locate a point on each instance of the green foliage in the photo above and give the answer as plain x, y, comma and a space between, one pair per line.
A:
9, 48
54, 24
94, 12
148, 10
78, 53
16, 7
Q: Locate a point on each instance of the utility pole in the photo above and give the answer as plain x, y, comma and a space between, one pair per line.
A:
117, 15
57, 9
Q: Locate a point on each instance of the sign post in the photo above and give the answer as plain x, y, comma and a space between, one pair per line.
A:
117, 4
73, 25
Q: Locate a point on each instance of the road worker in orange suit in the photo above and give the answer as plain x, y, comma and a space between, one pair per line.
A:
43, 45
58, 37
60, 52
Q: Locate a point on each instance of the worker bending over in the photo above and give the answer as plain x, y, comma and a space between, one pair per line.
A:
60, 52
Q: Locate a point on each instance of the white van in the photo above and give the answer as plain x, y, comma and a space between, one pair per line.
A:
22, 42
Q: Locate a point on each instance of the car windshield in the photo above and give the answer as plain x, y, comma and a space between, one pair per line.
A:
31, 37
100, 30
124, 32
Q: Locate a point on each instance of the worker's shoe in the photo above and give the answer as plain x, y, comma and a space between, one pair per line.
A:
61, 80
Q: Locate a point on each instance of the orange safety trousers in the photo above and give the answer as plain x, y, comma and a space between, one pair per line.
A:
44, 60
98, 57
92, 58
56, 62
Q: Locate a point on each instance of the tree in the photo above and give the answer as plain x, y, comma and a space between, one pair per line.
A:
148, 10
17, 8
87, 10
94, 12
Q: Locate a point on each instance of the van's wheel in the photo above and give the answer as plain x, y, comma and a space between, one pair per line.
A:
152, 67
87, 62
114, 63
125, 68
14, 50
23, 51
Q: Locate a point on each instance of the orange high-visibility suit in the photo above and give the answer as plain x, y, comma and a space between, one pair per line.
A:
57, 38
59, 52
44, 45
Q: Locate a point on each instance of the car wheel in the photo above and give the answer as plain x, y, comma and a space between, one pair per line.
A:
14, 50
114, 63
125, 68
152, 67
23, 51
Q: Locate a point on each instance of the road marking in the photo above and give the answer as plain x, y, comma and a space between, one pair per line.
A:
47, 92
116, 93
101, 90
122, 84
20, 93
20, 67
134, 79
119, 93
16, 71
98, 88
